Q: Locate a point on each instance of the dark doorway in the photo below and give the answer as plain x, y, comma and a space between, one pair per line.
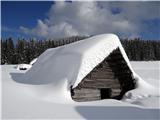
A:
105, 93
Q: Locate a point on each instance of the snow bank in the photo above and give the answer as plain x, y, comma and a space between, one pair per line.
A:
147, 92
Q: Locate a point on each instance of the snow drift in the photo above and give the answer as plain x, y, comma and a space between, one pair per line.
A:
57, 69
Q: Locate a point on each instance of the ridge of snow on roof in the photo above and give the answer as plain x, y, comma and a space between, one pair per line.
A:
71, 63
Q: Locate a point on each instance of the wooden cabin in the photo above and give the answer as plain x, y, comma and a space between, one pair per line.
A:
111, 79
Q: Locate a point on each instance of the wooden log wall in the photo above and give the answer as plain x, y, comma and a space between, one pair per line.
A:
113, 73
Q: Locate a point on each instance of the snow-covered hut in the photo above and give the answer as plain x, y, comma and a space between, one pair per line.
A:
92, 69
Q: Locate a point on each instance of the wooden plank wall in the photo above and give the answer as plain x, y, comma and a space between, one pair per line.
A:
112, 73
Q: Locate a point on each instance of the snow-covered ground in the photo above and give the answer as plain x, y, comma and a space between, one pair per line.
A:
21, 101
150, 72
43, 89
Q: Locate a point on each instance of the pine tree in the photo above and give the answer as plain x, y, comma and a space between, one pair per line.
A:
10, 51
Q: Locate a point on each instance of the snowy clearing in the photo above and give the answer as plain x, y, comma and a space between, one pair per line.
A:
20, 102
43, 90
57, 69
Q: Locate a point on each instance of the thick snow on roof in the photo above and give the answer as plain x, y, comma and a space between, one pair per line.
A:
72, 62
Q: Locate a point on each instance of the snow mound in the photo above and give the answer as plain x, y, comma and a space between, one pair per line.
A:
57, 69
147, 92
